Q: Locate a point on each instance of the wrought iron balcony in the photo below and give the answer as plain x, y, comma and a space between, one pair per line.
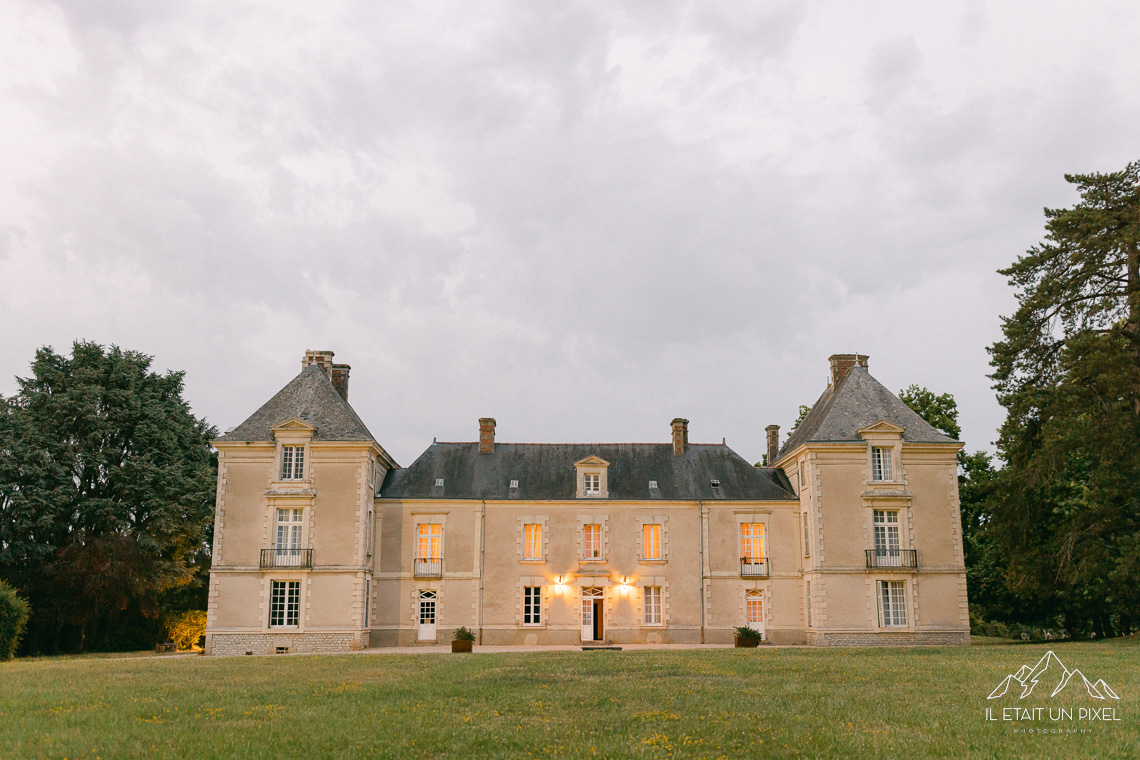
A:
905, 558
429, 567
754, 567
286, 557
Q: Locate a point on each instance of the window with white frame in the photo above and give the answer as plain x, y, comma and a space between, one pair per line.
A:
886, 535
892, 603
532, 541
753, 606
532, 605
429, 543
289, 528
292, 462
284, 604
882, 467
653, 605
592, 484
651, 541
592, 541
752, 541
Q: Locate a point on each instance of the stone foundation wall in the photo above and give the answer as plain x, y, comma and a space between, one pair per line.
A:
892, 639
230, 644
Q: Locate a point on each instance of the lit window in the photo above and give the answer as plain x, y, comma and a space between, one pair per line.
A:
892, 603
882, 468
284, 603
592, 541
430, 541
752, 541
532, 541
593, 484
754, 607
653, 605
532, 605
651, 542
292, 462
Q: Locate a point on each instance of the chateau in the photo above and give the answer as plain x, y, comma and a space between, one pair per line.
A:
322, 543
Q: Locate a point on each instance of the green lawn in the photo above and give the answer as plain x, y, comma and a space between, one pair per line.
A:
846, 703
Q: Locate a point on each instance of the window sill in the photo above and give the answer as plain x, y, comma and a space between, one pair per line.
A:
532, 562
645, 561
653, 626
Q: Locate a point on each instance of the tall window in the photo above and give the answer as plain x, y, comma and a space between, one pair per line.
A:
807, 535
289, 527
593, 541
653, 605
753, 606
882, 468
532, 605
532, 541
367, 599
809, 603
284, 603
886, 535
430, 541
593, 483
651, 542
292, 462
752, 541
892, 603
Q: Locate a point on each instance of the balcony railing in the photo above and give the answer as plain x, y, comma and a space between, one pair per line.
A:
754, 567
429, 567
898, 558
286, 557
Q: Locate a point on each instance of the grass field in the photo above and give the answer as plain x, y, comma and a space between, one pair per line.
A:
781, 703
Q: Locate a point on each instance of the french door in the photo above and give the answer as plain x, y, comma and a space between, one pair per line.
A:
426, 631
593, 614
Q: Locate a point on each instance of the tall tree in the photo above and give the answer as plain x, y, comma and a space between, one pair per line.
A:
106, 491
1067, 512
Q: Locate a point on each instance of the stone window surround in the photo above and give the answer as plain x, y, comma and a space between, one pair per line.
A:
909, 582
432, 584
593, 519
429, 518
593, 465
765, 589
639, 604
267, 592
888, 436
540, 581
663, 521
292, 433
544, 548
906, 524
743, 518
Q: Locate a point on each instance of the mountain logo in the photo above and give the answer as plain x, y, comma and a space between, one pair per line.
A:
1050, 669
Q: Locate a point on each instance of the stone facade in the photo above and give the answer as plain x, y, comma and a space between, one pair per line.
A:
851, 537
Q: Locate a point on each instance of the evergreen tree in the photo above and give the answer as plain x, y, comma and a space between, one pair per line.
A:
106, 498
1066, 511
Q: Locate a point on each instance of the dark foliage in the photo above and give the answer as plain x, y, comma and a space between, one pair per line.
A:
106, 499
13, 617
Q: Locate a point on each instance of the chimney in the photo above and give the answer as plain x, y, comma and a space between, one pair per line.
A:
323, 359
841, 364
486, 435
773, 443
339, 376
680, 436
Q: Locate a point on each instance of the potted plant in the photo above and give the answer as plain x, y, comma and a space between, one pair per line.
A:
463, 639
748, 637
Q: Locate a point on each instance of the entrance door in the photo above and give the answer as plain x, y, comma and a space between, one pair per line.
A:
593, 614
427, 616
754, 609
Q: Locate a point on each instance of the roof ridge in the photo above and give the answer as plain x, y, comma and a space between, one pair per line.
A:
576, 443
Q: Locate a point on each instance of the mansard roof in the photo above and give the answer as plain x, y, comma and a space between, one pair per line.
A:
857, 402
546, 471
309, 397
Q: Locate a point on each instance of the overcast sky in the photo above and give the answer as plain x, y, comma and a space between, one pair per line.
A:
583, 219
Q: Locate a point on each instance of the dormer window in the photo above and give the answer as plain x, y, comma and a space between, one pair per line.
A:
514, 484
715, 483
439, 482
292, 462
882, 467
593, 484
653, 484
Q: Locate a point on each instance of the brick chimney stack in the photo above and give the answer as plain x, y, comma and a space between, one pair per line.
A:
841, 364
338, 373
773, 443
680, 436
486, 435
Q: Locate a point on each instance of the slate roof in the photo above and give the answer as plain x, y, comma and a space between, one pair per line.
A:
546, 471
310, 397
859, 401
